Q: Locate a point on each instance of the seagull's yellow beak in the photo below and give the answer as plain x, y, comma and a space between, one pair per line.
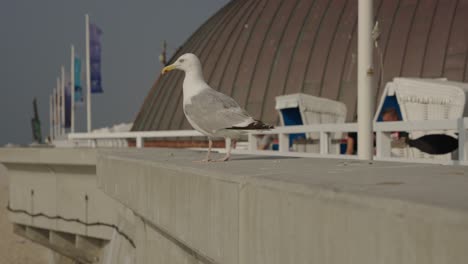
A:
168, 68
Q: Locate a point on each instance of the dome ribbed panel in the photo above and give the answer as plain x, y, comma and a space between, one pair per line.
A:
255, 50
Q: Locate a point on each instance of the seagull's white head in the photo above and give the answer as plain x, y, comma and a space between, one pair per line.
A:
187, 62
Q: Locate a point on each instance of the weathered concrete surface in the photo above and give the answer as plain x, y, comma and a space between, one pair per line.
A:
248, 210
15, 249
154, 246
60, 182
63, 156
270, 210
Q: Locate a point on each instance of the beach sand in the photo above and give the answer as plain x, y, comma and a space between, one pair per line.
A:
15, 249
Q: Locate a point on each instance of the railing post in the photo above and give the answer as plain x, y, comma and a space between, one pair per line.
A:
139, 142
283, 142
461, 139
324, 142
252, 142
383, 144
93, 143
228, 142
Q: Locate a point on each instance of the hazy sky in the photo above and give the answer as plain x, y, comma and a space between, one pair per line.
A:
35, 41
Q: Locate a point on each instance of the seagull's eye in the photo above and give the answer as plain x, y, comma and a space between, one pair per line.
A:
181, 60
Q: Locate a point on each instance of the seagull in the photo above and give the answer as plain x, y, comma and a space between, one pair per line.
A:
210, 112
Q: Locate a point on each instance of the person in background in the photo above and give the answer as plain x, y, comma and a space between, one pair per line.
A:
390, 114
351, 143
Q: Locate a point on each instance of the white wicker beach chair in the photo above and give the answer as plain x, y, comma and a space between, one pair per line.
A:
424, 99
298, 109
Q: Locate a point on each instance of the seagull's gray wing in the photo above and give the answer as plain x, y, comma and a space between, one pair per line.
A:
212, 111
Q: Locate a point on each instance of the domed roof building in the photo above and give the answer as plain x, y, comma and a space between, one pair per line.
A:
255, 50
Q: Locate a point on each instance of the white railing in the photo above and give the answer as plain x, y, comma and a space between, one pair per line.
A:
325, 131
382, 129
139, 136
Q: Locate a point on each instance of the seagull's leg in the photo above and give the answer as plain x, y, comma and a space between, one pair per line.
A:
207, 159
210, 144
228, 150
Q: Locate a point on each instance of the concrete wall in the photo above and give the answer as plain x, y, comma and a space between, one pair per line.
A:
201, 212
61, 182
255, 210
251, 209
58, 182
14, 249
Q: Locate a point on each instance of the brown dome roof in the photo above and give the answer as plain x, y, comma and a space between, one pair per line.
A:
255, 50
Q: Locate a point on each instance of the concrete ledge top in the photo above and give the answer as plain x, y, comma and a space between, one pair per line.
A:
69, 156
432, 185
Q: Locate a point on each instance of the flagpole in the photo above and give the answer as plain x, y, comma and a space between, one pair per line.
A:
62, 88
72, 87
88, 75
59, 111
55, 112
51, 116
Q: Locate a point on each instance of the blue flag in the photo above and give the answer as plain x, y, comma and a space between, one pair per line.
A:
78, 87
95, 58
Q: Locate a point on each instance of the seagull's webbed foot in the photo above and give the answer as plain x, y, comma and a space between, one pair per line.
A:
208, 155
229, 144
225, 158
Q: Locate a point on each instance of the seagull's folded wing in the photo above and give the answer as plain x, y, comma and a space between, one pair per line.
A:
212, 111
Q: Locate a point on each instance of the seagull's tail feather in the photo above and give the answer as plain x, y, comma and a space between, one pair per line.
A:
256, 125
